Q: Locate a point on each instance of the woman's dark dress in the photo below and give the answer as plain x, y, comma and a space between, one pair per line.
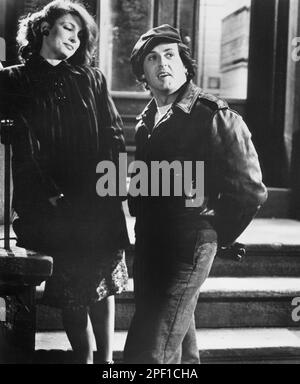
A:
65, 124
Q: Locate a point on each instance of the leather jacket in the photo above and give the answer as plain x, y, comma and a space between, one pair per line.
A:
201, 127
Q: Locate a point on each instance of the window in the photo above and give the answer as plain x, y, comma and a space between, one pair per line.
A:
121, 24
2, 309
217, 31
33, 5
223, 47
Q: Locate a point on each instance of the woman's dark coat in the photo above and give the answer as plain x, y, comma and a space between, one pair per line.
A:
65, 123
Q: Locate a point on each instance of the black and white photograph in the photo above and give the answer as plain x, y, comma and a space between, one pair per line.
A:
149, 185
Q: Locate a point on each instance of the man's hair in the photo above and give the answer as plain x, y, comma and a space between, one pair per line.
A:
30, 37
186, 57
188, 61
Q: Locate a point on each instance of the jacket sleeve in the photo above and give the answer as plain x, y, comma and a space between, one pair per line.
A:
32, 184
140, 137
28, 165
237, 176
112, 139
110, 120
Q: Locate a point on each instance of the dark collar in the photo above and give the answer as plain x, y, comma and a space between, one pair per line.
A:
39, 64
187, 96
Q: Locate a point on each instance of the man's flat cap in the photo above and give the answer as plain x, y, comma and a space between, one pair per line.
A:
155, 36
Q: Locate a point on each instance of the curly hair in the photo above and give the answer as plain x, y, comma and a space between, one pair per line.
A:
30, 38
188, 61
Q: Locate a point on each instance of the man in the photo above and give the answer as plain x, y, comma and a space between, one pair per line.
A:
175, 243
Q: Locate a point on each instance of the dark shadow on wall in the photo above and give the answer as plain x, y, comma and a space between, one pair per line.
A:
265, 115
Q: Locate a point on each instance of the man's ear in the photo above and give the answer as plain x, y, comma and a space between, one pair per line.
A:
45, 28
144, 81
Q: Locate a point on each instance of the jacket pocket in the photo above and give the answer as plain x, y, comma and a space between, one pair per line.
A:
189, 240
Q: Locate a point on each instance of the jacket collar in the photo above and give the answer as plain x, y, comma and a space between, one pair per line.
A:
186, 99
38, 64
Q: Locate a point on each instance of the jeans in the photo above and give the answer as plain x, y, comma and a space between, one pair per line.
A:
163, 327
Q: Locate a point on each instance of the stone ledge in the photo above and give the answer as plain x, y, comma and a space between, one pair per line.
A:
232, 287
240, 287
208, 339
272, 234
20, 266
215, 346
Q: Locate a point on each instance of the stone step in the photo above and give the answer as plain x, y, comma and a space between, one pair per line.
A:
272, 249
256, 345
223, 302
278, 204
260, 261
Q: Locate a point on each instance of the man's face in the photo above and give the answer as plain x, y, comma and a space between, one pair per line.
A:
64, 38
164, 70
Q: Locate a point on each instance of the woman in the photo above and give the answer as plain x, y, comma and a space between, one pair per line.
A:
65, 124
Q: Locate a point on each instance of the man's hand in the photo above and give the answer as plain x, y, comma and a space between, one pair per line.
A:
54, 201
235, 252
